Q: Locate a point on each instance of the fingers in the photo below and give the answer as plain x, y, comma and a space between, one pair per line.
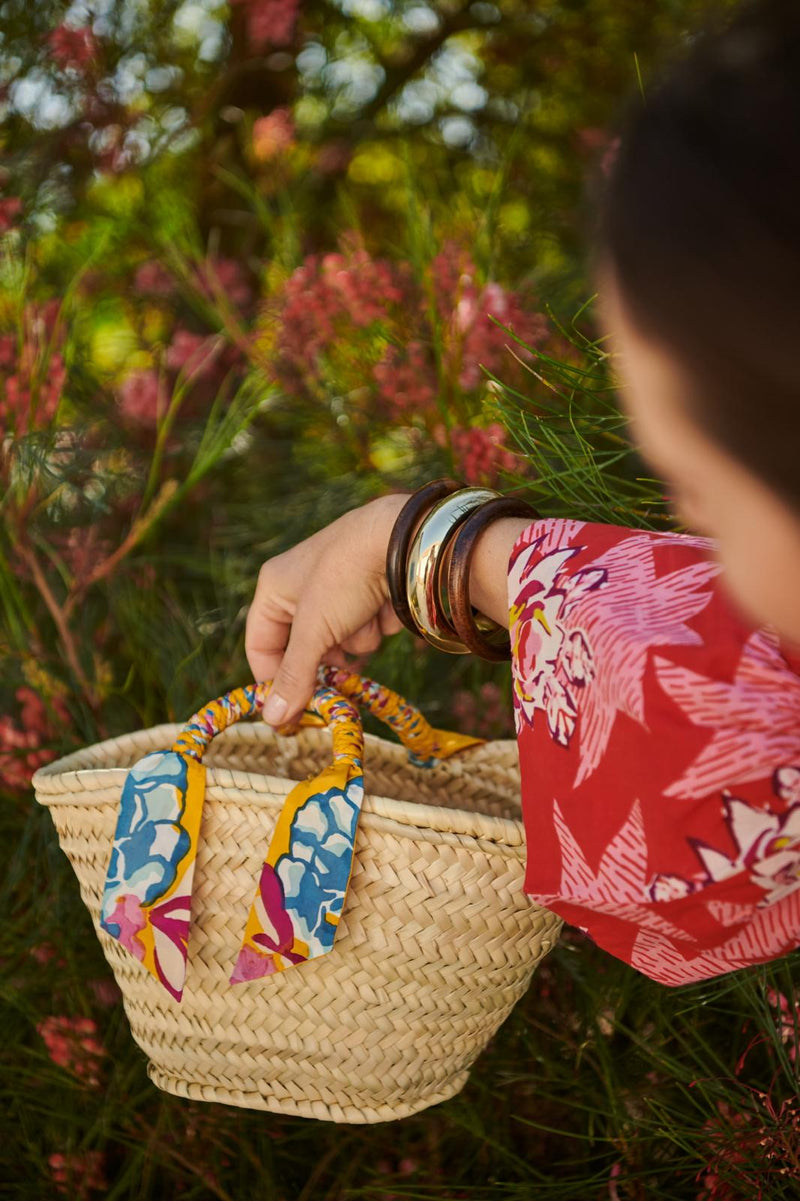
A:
388, 620
269, 620
313, 603
335, 658
295, 678
365, 640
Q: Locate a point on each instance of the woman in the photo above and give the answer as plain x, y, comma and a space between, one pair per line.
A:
656, 676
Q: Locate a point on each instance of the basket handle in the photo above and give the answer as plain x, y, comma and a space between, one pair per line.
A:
304, 878
424, 744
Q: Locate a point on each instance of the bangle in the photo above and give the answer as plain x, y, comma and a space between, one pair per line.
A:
493, 646
404, 528
424, 561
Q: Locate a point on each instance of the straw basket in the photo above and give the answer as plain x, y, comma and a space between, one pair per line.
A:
436, 942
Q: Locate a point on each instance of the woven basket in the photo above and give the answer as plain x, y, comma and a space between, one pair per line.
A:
436, 943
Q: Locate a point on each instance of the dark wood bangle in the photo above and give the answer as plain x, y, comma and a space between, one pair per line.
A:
494, 646
409, 517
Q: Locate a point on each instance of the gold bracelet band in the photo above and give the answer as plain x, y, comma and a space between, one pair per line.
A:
423, 566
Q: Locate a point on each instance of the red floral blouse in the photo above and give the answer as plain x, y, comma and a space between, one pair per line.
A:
659, 741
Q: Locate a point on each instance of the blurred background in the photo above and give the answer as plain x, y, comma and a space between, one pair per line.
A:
260, 262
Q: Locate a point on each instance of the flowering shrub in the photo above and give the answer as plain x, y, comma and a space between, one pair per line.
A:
72, 49
787, 1015
269, 22
32, 375
220, 278
73, 1043
77, 1174
153, 279
21, 750
768, 1135
10, 212
401, 350
142, 398
481, 454
272, 135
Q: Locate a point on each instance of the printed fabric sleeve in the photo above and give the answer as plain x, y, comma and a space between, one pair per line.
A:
659, 744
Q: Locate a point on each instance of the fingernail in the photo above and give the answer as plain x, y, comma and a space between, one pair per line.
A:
274, 708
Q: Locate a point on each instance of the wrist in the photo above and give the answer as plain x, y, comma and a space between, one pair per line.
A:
384, 510
446, 566
488, 577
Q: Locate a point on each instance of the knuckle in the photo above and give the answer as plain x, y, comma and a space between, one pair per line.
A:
265, 572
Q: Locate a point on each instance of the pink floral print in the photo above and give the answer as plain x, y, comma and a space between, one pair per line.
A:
659, 740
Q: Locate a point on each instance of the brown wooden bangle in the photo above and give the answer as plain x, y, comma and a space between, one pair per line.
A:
495, 646
415, 508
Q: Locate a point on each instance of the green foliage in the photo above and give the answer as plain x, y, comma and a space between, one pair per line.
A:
164, 180
574, 441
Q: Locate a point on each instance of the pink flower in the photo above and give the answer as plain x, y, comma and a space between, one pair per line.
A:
21, 752
334, 157
325, 301
106, 991
273, 134
270, 21
79, 1174
472, 340
365, 327
767, 847
225, 275
8, 351
27, 404
10, 210
142, 399
40, 319
72, 49
153, 279
192, 354
29, 398
788, 1016
82, 548
481, 455
406, 380
45, 952
761, 1142
72, 1043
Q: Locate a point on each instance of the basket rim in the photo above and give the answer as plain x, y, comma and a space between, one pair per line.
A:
73, 778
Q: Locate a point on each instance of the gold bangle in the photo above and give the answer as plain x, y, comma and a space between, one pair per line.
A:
424, 562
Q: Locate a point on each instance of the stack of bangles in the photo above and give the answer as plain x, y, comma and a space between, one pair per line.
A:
428, 562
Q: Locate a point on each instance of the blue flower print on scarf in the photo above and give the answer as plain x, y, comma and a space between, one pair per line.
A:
150, 841
314, 878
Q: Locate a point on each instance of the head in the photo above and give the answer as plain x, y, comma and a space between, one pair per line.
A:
695, 236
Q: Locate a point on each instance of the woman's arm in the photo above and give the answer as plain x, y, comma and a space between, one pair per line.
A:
328, 595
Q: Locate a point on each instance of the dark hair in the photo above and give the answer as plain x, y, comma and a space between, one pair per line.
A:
698, 219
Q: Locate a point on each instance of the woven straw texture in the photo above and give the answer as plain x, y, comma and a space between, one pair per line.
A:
436, 944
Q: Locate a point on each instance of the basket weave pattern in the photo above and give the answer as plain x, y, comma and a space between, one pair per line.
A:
436, 944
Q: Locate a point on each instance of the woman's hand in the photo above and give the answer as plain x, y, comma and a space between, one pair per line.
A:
325, 596
329, 595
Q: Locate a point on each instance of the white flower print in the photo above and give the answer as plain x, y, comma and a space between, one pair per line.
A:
590, 633
552, 661
767, 848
